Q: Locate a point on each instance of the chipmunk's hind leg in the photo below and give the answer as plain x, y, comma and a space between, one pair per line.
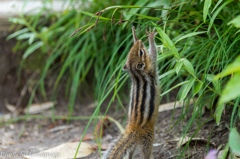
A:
131, 152
124, 146
147, 149
146, 145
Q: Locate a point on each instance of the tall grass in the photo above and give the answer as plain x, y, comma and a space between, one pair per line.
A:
196, 42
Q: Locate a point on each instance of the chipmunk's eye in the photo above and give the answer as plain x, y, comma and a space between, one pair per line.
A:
140, 52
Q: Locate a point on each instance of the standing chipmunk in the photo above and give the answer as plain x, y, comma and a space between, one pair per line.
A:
143, 107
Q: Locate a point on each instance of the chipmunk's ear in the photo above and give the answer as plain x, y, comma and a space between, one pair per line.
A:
140, 66
135, 39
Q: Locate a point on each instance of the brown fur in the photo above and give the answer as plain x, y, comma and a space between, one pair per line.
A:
143, 107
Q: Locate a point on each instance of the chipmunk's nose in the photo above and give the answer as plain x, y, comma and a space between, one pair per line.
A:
124, 67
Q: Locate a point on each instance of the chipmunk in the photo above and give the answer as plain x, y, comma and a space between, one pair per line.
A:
141, 64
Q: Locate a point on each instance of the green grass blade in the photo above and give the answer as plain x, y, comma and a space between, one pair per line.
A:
207, 4
32, 48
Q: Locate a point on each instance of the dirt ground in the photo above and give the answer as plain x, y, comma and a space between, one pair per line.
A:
35, 135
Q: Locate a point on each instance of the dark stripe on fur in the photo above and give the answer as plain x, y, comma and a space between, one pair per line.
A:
143, 102
133, 77
137, 96
152, 92
132, 97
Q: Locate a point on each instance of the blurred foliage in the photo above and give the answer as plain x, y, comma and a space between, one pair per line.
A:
198, 45
234, 141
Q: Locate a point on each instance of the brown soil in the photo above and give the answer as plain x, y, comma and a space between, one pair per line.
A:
34, 135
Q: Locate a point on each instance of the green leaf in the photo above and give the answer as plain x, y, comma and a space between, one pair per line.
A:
25, 36
178, 66
19, 32
235, 22
93, 15
218, 113
166, 74
189, 35
17, 20
197, 88
225, 152
133, 11
188, 66
216, 84
142, 16
234, 141
163, 56
167, 41
231, 68
230, 92
186, 88
31, 39
216, 13
32, 48
182, 83
215, 7
206, 7
232, 89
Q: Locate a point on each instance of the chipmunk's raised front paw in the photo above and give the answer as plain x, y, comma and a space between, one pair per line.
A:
152, 33
135, 39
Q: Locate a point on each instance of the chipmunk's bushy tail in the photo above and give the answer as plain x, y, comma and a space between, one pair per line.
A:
124, 145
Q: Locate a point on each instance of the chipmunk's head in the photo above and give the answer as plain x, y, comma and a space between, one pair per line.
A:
138, 58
